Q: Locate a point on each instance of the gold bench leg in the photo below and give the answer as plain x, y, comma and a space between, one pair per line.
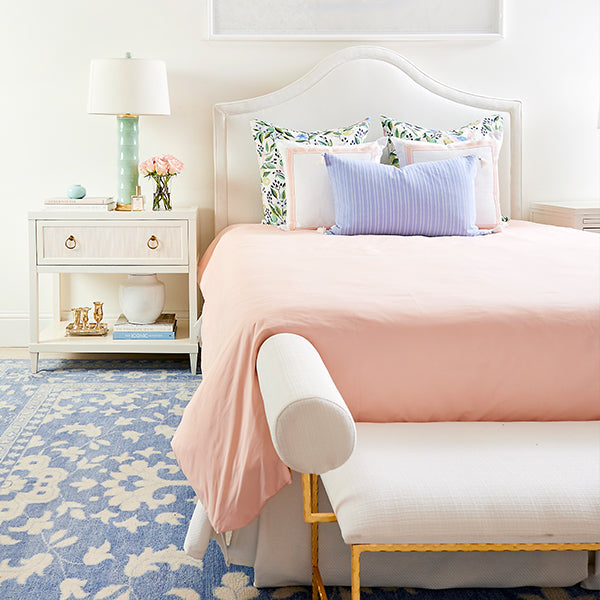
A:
355, 568
358, 549
318, 588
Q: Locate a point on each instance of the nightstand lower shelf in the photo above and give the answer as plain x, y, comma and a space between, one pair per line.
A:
53, 339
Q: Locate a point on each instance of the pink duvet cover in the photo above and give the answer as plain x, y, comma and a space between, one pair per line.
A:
504, 327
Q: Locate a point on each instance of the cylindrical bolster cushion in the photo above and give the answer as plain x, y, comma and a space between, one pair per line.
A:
311, 426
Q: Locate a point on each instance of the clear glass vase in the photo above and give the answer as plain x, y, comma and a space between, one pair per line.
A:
162, 195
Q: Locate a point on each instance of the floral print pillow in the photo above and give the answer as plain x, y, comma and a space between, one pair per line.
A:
271, 164
491, 127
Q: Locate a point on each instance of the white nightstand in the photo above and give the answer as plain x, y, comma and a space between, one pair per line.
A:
578, 214
74, 241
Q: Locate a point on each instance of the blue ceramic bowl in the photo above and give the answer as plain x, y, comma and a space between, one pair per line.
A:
75, 191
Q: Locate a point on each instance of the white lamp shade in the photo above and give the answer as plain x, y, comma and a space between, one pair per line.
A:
135, 86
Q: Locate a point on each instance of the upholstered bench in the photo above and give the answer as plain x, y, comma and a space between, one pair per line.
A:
463, 486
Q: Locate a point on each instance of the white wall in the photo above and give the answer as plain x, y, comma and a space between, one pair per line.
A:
550, 59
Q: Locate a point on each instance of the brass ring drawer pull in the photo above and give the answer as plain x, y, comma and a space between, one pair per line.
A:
152, 243
70, 242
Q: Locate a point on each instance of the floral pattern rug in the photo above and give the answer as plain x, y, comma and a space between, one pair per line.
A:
93, 505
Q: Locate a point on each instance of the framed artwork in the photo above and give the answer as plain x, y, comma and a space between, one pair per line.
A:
374, 20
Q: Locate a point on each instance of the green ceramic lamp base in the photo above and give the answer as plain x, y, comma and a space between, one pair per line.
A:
127, 163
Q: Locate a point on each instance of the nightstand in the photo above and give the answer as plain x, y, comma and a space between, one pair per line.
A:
73, 241
578, 214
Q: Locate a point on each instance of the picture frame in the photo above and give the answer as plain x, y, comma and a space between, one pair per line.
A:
356, 20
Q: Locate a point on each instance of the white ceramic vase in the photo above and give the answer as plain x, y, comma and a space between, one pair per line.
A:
142, 298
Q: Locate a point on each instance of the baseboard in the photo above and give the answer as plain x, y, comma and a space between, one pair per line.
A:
14, 329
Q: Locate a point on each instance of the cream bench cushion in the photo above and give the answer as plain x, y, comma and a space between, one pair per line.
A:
479, 482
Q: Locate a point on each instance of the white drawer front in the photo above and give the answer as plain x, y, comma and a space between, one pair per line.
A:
112, 243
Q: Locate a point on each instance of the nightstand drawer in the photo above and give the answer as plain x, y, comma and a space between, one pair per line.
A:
112, 242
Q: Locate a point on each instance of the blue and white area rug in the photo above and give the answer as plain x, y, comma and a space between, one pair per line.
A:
93, 505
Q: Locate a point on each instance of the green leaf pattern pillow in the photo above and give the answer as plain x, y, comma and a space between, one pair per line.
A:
490, 126
271, 164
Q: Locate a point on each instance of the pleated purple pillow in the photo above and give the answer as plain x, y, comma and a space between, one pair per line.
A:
430, 198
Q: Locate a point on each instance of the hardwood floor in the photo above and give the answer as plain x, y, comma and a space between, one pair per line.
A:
14, 353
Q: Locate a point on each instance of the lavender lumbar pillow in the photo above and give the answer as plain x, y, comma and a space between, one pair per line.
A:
430, 198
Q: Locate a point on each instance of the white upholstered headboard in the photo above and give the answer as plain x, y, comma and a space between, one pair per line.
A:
352, 84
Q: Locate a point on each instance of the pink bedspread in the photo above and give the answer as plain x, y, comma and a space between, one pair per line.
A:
503, 327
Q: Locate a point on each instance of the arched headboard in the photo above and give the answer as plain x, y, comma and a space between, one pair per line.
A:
344, 88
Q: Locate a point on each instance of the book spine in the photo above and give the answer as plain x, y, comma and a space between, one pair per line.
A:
143, 335
82, 207
78, 201
143, 328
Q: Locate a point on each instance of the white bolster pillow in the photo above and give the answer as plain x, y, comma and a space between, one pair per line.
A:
311, 426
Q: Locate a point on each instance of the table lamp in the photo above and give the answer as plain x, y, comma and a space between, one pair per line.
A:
128, 87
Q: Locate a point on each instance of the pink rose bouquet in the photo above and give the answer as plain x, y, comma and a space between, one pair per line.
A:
161, 169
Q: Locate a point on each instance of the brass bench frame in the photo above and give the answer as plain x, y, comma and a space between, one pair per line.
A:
310, 495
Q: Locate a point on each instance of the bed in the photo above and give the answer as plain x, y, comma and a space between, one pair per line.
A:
509, 330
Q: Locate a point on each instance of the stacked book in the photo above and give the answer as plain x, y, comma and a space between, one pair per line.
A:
163, 328
86, 203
